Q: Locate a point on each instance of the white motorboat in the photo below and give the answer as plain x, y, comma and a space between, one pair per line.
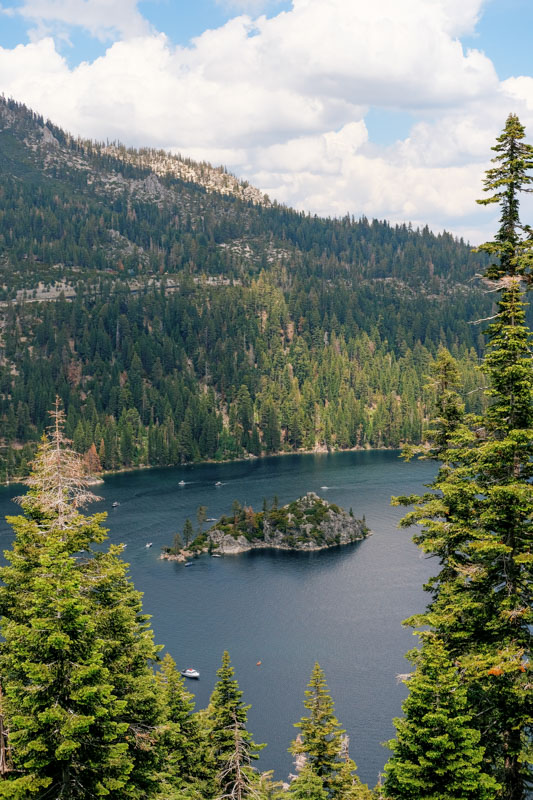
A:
181, 483
115, 504
218, 483
190, 673
148, 544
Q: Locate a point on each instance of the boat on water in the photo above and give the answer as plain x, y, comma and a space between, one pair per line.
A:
115, 504
216, 555
181, 483
190, 673
148, 544
188, 564
211, 519
218, 483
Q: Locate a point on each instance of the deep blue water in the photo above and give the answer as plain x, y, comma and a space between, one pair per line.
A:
341, 607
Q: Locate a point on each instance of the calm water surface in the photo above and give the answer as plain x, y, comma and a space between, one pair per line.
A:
341, 607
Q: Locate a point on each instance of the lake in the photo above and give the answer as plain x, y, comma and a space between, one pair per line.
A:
341, 607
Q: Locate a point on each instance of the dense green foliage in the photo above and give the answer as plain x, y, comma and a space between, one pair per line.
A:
478, 521
209, 373
437, 754
233, 748
82, 712
321, 749
204, 326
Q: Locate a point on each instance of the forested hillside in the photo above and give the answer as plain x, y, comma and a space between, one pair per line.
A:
181, 315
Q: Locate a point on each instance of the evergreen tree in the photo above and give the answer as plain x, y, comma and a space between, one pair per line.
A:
63, 716
80, 698
129, 654
307, 786
188, 532
477, 520
184, 758
177, 543
232, 745
437, 754
321, 741
61, 709
513, 245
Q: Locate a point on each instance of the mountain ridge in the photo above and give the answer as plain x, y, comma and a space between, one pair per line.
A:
202, 325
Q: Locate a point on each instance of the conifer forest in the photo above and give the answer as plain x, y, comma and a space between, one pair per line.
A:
148, 321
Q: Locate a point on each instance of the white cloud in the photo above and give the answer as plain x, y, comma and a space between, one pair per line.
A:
520, 89
254, 7
282, 101
101, 18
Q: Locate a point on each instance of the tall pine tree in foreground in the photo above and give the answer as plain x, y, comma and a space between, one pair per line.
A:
321, 749
80, 700
478, 520
512, 247
437, 753
184, 769
233, 748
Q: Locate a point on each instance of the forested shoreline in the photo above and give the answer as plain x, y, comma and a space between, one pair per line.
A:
209, 374
269, 360
199, 326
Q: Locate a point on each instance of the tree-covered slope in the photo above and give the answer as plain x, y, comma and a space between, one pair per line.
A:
198, 319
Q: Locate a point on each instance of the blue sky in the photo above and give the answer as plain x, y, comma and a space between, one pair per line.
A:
503, 31
386, 108
181, 20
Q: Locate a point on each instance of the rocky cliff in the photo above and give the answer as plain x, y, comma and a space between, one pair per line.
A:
309, 523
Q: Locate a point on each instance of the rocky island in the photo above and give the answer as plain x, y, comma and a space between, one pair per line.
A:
309, 523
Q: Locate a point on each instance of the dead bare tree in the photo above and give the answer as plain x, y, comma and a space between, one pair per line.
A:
236, 774
59, 481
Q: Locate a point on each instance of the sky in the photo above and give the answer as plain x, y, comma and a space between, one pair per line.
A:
386, 108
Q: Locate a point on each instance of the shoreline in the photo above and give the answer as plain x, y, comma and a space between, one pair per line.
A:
184, 555
98, 477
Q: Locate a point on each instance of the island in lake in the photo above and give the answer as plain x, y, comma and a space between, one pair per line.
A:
309, 523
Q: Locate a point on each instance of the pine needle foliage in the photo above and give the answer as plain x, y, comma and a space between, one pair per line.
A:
322, 746
233, 748
80, 701
437, 754
477, 516
512, 246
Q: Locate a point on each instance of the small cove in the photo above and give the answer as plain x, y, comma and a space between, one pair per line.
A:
342, 607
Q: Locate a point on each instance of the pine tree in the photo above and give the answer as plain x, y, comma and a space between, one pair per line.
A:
232, 745
307, 786
129, 654
80, 697
348, 785
322, 742
477, 519
321, 733
184, 761
513, 245
63, 716
437, 753
188, 532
